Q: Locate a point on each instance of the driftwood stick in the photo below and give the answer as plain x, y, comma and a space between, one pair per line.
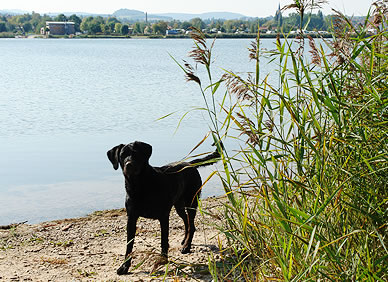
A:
10, 226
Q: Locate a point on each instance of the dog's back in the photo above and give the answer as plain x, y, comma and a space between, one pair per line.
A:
188, 177
185, 177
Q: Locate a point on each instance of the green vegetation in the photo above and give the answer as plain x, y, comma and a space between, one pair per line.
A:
4, 245
35, 239
86, 273
21, 24
101, 233
64, 244
306, 181
11, 25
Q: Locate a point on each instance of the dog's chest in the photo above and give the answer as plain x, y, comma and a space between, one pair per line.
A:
148, 202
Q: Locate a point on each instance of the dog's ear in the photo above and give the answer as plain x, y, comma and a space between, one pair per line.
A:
145, 148
113, 155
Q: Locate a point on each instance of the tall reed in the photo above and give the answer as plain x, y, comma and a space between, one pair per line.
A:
307, 190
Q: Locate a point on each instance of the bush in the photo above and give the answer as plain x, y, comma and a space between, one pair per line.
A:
7, 35
307, 193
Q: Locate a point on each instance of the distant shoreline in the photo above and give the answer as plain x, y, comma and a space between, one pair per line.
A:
219, 36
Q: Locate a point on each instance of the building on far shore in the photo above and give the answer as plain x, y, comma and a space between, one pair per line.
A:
174, 31
59, 28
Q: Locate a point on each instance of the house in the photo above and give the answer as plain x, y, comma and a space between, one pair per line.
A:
60, 28
263, 29
372, 31
173, 31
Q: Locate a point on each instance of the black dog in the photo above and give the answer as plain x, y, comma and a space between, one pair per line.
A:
153, 191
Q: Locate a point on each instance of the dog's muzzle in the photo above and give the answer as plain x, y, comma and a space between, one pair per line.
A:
128, 167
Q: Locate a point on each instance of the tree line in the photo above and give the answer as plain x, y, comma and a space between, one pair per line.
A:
32, 23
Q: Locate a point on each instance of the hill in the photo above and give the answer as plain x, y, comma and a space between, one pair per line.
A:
135, 15
204, 16
13, 12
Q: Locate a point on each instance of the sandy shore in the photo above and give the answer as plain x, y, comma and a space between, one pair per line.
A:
92, 248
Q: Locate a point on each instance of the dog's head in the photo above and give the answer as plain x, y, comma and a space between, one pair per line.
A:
132, 157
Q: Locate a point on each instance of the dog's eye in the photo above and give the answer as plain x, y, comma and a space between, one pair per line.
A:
125, 154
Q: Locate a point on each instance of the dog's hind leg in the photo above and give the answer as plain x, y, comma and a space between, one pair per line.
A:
180, 210
191, 211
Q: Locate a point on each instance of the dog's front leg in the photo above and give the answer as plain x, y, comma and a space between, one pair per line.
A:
131, 231
164, 230
164, 226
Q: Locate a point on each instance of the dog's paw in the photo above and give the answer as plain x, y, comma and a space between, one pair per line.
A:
122, 270
185, 250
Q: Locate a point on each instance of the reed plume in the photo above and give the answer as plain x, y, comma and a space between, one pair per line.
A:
316, 59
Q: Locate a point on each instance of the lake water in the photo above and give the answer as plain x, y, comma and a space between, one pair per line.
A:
64, 103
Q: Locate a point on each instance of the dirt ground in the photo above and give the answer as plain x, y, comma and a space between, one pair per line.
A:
91, 248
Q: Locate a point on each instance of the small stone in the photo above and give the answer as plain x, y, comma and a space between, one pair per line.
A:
67, 227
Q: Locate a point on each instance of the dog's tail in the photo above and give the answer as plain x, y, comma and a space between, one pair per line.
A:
207, 160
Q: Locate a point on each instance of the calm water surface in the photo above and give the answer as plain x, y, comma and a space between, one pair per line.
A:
64, 103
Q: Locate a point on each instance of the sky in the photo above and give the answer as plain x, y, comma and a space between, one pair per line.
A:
253, 8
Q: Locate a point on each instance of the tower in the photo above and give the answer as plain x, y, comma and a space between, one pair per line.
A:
278, 18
